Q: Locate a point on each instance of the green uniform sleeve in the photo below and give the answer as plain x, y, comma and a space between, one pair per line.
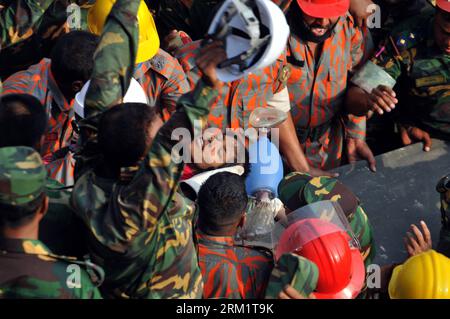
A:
114, 59
152, 189
293, 270
17, 19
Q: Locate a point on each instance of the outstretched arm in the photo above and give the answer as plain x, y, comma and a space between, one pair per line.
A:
114, 59
18, 18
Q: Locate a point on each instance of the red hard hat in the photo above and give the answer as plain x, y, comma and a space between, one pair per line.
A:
443, 4
341, 268
324, 8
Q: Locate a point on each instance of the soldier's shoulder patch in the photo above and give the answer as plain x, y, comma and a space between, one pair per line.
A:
406, 40
158, 62
285, 73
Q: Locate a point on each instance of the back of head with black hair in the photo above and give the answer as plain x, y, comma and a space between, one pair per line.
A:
19, 215
23, 120
123, 133
73, 57
222, 200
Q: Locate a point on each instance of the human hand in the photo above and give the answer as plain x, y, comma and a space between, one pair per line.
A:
210, 56
358, 149
418, 241
410, 134
382, 99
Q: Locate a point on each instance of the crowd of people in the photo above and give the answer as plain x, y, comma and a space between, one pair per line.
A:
95, 202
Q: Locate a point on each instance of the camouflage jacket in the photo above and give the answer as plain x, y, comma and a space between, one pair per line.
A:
60, 229
18, 18
141, 231
39, 81
317, 89
232, 271
164, 82
423, 75
35, 29
30, 270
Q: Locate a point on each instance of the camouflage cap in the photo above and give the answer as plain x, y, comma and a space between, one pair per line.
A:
298, 189
22, 175
296, 271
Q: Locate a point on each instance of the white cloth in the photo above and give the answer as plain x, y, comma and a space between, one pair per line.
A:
195, 182
280, 101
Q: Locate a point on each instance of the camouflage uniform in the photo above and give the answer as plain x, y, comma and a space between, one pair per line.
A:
443, 188
39, 82
60, 229
382, 127
293, 270
298, 189
140, 230
423, 74
35, 41
232, 271
164, 82
18, 18
28, 268
317, 88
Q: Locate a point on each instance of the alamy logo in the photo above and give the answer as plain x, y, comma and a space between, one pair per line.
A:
74, 279
374, 20
74, 16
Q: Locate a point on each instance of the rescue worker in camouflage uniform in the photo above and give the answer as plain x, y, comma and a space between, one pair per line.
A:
391, 14
55, 82
296, 277
28, 268
158, 72
229, 270
23, 122
417, 56
140, 229
323, 50
297, 190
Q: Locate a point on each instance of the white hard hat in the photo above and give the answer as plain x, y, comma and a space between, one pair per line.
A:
255, 33
135, 94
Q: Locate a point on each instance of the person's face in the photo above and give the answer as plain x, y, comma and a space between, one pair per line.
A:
319, 26
442, 31
216, 150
